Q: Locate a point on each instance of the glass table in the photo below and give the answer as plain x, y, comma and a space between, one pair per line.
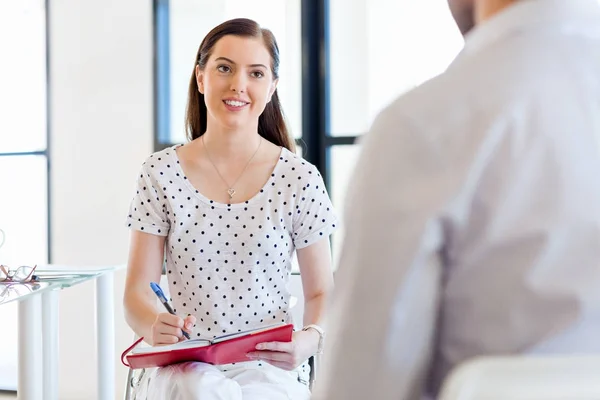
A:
38, 313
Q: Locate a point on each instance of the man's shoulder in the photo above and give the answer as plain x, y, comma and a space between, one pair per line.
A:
485, 83
427, 105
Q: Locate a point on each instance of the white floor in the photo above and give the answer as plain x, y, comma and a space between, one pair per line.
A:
4, 396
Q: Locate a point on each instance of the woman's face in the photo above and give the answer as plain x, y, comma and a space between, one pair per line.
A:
237, 82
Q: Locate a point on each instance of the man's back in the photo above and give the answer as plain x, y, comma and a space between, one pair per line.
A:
487, 238
522, 266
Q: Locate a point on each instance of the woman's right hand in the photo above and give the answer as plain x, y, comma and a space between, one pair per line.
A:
166, 328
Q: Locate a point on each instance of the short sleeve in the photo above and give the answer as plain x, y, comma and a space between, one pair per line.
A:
147, 213
315, 217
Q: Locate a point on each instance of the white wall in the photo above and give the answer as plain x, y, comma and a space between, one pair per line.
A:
101, 127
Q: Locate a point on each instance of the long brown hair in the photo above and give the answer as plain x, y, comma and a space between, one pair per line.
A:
271, 123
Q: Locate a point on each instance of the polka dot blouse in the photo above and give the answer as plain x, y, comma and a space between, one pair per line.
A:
229, 265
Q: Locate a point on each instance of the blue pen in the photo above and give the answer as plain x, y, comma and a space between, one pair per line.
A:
161, 296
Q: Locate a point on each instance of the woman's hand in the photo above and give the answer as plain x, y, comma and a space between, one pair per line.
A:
166, 329
288, 355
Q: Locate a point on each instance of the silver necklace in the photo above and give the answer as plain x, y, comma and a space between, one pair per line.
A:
230, 189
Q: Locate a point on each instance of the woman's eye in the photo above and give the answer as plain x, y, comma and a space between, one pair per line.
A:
258, 74
223, 68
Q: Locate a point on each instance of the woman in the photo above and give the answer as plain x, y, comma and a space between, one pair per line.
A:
228, 210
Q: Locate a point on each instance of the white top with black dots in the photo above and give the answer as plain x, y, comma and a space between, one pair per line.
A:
229, 265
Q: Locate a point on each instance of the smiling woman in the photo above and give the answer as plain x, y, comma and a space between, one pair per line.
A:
232, 207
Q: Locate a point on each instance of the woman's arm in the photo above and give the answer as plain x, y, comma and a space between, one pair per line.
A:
146, 254
317, 282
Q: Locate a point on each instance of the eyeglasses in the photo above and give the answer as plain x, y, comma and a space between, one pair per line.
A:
21, 274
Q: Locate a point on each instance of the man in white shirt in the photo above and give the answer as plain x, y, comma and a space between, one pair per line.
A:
473, 220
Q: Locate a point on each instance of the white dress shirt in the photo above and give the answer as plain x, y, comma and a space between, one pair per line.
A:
473, 220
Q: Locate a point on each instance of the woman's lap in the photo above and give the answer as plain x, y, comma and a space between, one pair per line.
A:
193, 380
269, 383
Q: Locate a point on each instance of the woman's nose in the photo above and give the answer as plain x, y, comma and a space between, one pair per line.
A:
238, 83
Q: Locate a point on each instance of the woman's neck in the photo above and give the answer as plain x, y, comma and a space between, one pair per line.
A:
230, 144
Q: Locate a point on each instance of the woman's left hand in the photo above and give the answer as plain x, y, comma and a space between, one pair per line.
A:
288, 355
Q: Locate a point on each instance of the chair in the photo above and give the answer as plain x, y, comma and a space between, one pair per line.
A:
524, 378
135, 376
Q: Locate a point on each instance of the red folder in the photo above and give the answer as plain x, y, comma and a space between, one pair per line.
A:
221, 350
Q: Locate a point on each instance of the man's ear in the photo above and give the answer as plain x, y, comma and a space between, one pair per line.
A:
273, 88
200, 79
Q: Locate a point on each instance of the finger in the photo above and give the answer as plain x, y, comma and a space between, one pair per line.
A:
286, 347
163, 329
170, 319
189, 322
163, 340
270, 356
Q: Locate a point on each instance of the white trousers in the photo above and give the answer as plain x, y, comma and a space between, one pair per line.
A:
200, 381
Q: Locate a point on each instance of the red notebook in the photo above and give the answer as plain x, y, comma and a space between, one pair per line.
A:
220, 350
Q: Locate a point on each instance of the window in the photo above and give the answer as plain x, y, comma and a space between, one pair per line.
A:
23, 154
378, 50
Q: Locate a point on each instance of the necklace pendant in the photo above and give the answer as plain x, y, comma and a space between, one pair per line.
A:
231, 192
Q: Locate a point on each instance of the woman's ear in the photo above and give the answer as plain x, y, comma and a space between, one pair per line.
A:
273, 88
200, 79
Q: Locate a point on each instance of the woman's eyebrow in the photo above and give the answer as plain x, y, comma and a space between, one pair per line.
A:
233, 62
